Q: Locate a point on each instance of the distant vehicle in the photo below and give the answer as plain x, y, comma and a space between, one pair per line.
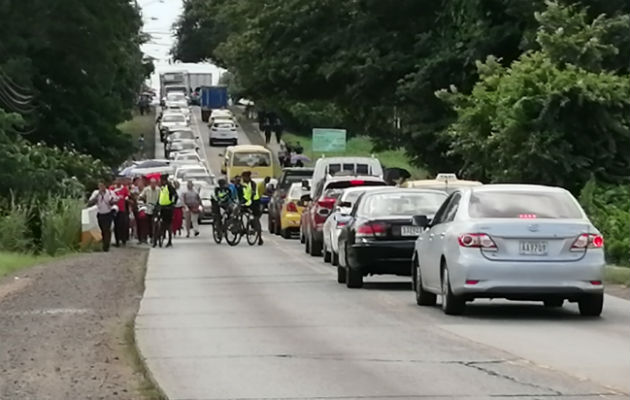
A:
212, 98
253, 158
222, 130
205, 193
196, 80
291, 211
325, 166
173, 81
171, 122
182, 170
320, 207
519, 242
289, 176
199, 177
379, 234
187, 158
180, 145
338, 219
181, 135
221, 114
445, 182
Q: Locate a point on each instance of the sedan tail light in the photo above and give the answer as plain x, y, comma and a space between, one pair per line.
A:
291, 207
588, 241
371, 229
326, 202
477, 241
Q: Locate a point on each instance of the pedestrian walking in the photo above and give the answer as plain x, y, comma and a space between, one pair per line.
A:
121, 220
193, 203
150, 195
278, 129
178, 212
166, 199
104, 200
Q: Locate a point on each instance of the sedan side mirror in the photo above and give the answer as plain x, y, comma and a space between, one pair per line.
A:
421, 220
305, 198
306, 185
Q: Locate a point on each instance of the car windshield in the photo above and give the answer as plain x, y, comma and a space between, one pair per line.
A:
404, 204
523, 204
183, 135
352, 196
291, 178
187, 157
174, 118
251, 160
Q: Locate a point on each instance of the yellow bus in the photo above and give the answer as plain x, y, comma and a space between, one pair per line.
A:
241, 158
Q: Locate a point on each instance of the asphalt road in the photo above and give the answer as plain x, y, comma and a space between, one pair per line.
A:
270, 322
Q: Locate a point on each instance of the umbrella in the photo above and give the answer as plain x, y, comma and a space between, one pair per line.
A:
299, 157
152, 163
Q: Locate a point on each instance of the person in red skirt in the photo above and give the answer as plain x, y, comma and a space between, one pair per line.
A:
178, 212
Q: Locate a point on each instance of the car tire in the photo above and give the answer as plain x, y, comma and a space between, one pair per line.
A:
554, 303
285, 234
335, 258
235, 142
341, 275
307, 245
326, 253
302, 239
277, 226
354, 278
451, 303
423, 298
591, 305
315, 248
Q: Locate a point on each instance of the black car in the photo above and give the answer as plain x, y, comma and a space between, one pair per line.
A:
379, 234
289, 176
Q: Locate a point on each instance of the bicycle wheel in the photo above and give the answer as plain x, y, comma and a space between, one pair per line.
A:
161, 233
232, 231
217, 230
253, 234
155, 232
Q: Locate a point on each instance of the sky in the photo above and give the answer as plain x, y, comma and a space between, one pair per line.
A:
158, 17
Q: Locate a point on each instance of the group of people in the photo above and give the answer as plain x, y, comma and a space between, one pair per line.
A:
241, 190
131, 205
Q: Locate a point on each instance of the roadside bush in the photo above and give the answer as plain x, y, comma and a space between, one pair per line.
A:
60, 225
15, 235
608, 206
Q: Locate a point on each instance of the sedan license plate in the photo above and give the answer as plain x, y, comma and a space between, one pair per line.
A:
410, 230
533, 247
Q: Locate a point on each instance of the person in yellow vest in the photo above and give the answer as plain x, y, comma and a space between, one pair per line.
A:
166, 201
250, 198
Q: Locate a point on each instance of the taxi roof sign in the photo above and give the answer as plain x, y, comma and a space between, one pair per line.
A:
446, 177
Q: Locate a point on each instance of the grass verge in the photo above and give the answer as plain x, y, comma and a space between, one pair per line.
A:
11, 262
617, 275
360, 146
148, 388
141, 124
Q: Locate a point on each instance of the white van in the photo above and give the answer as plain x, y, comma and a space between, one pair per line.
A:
360, 166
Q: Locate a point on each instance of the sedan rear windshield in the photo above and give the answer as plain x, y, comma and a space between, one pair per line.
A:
353, 183
294, 177
494, 204
403, 204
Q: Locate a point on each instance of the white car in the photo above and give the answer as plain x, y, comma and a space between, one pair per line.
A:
178, 107
518, 242
221, 113
182, 170
337, 220
182, 158
223, 130
181, 134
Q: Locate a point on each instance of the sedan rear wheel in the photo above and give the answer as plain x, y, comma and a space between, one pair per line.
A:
451, 303
341, 275
423, 298
591, 305
354, 278
335, 258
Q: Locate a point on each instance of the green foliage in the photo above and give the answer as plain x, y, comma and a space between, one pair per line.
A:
11, 262
60, 225
608, 207
15, 235
544, 119
77, 66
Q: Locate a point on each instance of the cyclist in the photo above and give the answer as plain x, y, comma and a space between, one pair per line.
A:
222, 198
167, 199
250, 199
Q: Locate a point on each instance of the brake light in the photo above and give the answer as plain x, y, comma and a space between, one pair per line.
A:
326, 202
341, 224
291, 207
588, 240
371, 229
477, 240
527, 216
357, 182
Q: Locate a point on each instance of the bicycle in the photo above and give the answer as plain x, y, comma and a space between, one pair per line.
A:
219, 222
158, 234
233, 226
251, 226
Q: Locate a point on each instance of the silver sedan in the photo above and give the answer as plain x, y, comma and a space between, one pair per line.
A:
519, 242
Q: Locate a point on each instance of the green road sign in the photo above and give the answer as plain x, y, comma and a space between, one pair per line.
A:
329, 140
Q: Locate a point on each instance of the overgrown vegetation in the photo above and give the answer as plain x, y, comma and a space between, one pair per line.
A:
11, 262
